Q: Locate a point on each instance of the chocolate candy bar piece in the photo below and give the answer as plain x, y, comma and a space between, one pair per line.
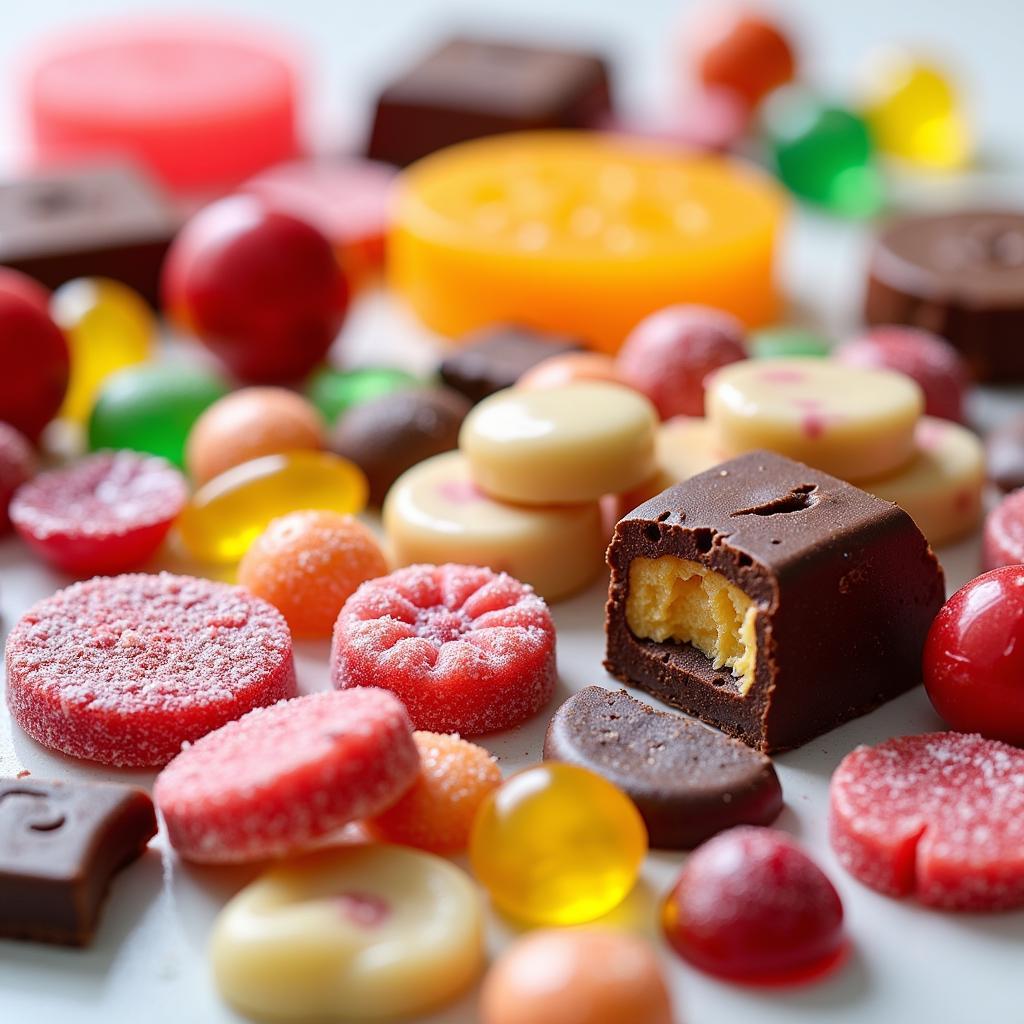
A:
960, 275
769, 599
86, 222
60, 846
497, 357
468, 88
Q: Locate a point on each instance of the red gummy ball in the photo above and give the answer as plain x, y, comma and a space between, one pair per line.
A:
750, 905
14, 282
35, 361
974, 657
262, 290
669, 354
17, 464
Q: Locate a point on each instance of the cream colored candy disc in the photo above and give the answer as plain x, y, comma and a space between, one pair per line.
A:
356, 933
853, 423
560, 445
686, 446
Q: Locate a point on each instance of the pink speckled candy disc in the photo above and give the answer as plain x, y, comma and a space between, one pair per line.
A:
123, 669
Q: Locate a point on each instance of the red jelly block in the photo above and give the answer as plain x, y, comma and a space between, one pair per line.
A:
202, 105
466, 649
104, 514
17, 464
124, 669
281, 777
939, 817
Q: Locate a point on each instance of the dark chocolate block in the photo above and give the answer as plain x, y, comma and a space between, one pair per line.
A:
960, 275
841, 588
497, 357
60, 846
87, 222
468, 88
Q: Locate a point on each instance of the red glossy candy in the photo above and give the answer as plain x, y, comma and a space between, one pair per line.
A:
281, 777
262, 290
17, 464
466, 649
124, 669
750, 905
1004, 533
104, 514
13, 282
974, 657
938, 816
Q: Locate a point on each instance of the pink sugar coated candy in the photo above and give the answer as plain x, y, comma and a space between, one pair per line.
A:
124, 669
938, 816
1004, 533
467, 650
104, 514
17, 464
281, 777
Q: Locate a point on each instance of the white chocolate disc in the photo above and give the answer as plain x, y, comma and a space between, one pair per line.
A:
686, 446
435, 513
355, 933
560, 445
856, 424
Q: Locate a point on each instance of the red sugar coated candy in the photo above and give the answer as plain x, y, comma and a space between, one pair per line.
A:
281, 777
1003, 542
466, 649
104, 514
124, 669
751, 905
938, 816
17, 464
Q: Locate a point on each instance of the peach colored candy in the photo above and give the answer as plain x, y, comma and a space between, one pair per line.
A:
686, 446
556, 371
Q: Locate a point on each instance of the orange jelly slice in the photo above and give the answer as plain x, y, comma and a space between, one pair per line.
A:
581, 234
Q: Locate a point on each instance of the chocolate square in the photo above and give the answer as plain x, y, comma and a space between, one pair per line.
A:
843, 585
468, 88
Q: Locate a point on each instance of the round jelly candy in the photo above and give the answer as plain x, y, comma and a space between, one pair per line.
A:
823, 153
334, 392
227, 514
787, 342
262, 290
108, 327
14, 282
557, 844
17, 464
152, 408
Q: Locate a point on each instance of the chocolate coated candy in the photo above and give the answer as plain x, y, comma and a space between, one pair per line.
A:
687, 781
1004, 454
60, 846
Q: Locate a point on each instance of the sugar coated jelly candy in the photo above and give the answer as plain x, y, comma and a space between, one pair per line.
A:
334, 392
227, 514
557, 844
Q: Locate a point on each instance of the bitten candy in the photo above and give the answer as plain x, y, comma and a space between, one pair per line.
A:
853, 423
358, 933
124, 669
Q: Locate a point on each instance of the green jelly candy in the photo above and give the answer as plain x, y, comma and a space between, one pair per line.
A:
784, 342
152, 408
336, 391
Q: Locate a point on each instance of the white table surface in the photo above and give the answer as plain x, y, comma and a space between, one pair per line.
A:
148, 962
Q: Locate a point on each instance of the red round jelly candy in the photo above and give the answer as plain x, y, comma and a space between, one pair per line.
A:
466, 649
281, 777
13, 282
17, 464
124, 669
1003, 542
938, 816
104, 514
262, 290
751, 905
974, 657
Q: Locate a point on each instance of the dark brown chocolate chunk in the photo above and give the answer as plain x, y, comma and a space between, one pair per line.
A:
385, 436
60, 846
1004, 454
688, 780
495, 358
841, 588
86, 222
468, 88
960, 275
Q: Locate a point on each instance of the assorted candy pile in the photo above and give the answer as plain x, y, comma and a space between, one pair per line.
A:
616, 389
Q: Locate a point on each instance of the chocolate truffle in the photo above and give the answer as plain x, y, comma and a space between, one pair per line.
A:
770, 599
1004, 454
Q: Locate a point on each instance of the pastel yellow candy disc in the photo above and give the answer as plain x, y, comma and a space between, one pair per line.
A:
356, 933
560, 445
853, 423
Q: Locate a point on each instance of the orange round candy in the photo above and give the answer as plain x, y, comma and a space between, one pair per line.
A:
307, 564
249, 424
556, 371
437, 812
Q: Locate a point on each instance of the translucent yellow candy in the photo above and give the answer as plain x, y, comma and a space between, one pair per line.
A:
108, 327
227, 514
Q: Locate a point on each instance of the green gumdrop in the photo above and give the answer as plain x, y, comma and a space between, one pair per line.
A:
152, 408
784, 342
336, 391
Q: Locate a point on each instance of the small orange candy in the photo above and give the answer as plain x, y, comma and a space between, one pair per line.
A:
437, 812
307, 564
